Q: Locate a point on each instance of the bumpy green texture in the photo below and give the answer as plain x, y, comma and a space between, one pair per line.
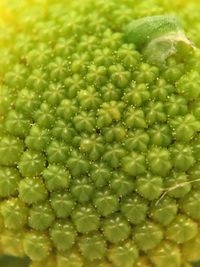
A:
99, 149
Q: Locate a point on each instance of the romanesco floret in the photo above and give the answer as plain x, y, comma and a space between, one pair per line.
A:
99, 144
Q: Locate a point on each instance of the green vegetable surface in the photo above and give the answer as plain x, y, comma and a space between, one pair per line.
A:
99, 132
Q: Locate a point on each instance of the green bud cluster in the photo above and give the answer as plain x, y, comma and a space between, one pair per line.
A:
99, 148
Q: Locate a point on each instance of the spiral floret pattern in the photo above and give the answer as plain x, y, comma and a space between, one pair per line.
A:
99, 149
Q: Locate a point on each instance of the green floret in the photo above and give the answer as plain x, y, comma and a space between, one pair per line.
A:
99, 133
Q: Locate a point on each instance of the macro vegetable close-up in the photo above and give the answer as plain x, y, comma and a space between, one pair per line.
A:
99, 133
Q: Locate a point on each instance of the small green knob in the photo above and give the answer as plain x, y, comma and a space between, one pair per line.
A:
156, 36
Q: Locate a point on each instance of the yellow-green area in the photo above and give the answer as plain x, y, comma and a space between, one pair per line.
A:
99, 144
